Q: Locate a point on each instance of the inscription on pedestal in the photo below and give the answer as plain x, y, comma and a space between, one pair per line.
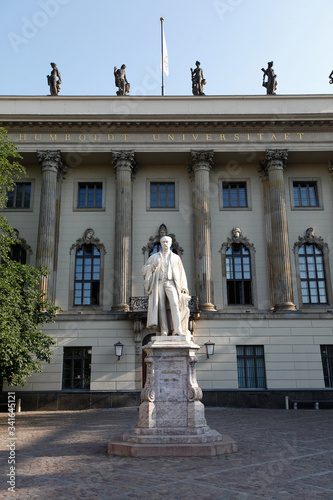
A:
170, 379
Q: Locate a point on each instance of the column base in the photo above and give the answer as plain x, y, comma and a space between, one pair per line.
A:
285, 306
207, 307
120, 308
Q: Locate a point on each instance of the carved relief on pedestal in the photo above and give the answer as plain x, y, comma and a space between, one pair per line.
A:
148, 393
194, 392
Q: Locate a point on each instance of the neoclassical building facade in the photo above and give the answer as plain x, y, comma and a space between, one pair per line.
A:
244, 187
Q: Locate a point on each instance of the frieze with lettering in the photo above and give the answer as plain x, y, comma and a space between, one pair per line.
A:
170, 138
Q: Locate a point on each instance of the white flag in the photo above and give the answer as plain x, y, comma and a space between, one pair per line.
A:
165, 57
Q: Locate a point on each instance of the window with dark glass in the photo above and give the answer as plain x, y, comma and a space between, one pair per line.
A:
238, 271
20, 197
251, 367
90, 195
327, 360
162, 195
77, 368
311, 268
234, 195
87, 276
305, 194
18, 253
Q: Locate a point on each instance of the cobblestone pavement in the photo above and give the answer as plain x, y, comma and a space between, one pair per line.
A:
62, 455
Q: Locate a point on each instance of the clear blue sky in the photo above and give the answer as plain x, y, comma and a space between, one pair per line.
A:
233, 40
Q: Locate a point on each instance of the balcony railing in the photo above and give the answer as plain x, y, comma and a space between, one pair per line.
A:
140, 304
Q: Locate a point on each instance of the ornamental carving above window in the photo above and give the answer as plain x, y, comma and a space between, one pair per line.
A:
311, 238
88, 238
155, 240
237, 237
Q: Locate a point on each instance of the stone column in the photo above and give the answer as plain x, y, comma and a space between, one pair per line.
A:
51, 166
273, 166
124, 165
200, 166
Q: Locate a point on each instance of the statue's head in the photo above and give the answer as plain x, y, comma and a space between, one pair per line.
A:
166, 242
197, 63
123, 66
270, 64
89, 234
53, 65
236, 232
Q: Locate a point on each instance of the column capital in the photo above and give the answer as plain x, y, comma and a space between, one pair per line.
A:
201, 160
275, 159
52, 161
124, 160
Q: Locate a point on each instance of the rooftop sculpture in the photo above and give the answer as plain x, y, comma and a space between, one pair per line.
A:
52, 80
198, 80
121, 80
271, 83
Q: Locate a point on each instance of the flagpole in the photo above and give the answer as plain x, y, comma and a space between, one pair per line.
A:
162, 19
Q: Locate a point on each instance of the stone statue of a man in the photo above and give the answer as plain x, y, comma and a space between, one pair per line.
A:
121, 80
165, 282
52, 81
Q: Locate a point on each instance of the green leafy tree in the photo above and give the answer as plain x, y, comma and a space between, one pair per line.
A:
24, 309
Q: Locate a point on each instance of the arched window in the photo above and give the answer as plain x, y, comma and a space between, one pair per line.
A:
238, 273
238, 268
21, 251
87, 276
18, 253
87, 264
312, 275
312, 265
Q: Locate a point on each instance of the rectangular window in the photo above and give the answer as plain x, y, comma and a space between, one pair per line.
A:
77, 368
162, 195
234, 195
90, 195
251, 367
327, 360
305, 194
20, 197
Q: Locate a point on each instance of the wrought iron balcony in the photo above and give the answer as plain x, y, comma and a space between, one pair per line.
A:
140, 304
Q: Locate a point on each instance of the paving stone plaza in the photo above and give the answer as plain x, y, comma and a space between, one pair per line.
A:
62, 455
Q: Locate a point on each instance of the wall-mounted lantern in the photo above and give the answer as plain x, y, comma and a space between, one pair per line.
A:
118, 349
209, 348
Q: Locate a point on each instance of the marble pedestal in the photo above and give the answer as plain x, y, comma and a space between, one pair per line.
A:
171, 416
